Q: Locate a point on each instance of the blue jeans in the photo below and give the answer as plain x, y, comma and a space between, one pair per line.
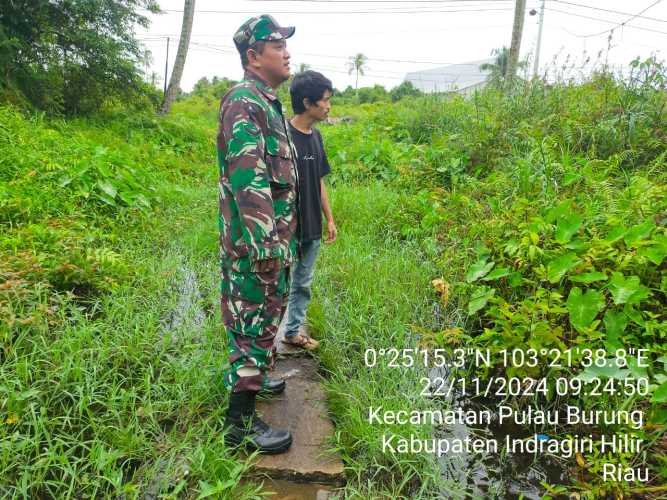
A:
299, 295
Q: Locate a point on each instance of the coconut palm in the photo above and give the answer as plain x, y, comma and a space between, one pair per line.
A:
146, 59
179, 64
155, 79
498, 68
358, 65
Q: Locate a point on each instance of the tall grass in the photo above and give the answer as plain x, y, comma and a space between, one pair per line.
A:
106, 221
372, 291
545, 186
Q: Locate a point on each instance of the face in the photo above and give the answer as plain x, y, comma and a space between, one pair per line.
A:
272, 63
320, 110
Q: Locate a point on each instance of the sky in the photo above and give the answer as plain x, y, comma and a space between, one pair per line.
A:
399, 36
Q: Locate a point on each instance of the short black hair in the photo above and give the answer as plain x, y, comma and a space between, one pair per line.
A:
310, 84
258, 47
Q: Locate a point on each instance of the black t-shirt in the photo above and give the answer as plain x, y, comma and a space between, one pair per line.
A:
312, 165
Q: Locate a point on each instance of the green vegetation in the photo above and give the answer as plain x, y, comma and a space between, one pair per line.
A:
66, 57
544, 212
371, 286
102, 392
541, 213
107, 223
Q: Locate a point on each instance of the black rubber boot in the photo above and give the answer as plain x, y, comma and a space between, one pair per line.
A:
273, 387
244, 427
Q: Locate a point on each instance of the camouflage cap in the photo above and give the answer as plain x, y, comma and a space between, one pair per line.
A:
263, 27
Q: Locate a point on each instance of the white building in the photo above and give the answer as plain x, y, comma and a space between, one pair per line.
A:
462, 78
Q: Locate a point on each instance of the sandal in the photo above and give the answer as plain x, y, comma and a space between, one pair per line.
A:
302, 341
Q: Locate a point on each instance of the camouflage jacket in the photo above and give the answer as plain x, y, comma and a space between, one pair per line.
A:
258, 179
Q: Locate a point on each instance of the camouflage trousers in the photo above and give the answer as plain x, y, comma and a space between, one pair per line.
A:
253, 305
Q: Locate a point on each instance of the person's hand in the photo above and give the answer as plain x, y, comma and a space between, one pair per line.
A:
332, 232
268, 265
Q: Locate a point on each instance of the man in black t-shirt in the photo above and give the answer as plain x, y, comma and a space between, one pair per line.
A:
310, 92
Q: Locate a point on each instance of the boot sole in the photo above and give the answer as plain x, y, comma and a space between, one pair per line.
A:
249, 445
268, 393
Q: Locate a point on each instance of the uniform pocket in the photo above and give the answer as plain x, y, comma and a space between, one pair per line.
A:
281, 170
244, 285
255, 287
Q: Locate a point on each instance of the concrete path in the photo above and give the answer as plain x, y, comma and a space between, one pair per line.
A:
302, 410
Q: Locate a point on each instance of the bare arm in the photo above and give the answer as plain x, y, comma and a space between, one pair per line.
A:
332, 232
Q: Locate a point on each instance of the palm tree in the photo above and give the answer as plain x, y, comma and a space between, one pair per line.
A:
147, 60
179, 64
499, 67
358, 65
155, 79
302, 67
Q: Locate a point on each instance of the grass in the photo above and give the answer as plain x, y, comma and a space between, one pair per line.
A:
129, 401
370, 289
123, 396
112, 348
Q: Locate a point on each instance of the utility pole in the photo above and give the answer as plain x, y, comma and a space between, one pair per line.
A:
517, 32
536, 66
166, 68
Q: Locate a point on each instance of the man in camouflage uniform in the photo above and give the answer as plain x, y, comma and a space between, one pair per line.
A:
258, 225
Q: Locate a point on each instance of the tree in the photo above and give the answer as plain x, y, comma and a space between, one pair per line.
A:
348, 92
372, 94
213, 89
72, 57
517, 33
146, 60
405, 89
221, 86
202, 86
358, 65
155, 79
302, 67
179, 64
498, 68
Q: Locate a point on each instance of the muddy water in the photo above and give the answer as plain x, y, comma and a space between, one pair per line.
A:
184, 323
287, 490
188, 313
492, 476
497, 476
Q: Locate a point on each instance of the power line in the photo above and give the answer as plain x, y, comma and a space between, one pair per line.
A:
611, 11
365, 33
227, 48
379, 1
176, 11
628, 42
447, 84
223, 50
381, 60
385, 72
411, 6
624, 23
605, 21
404, 3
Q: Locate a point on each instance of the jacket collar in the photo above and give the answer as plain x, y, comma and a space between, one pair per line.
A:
263, 87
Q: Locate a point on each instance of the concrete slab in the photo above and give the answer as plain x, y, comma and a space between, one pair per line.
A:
286, 349
287, 490
302, 410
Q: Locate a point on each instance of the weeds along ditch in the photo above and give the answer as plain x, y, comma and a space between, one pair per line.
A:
534, 219
544, 214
